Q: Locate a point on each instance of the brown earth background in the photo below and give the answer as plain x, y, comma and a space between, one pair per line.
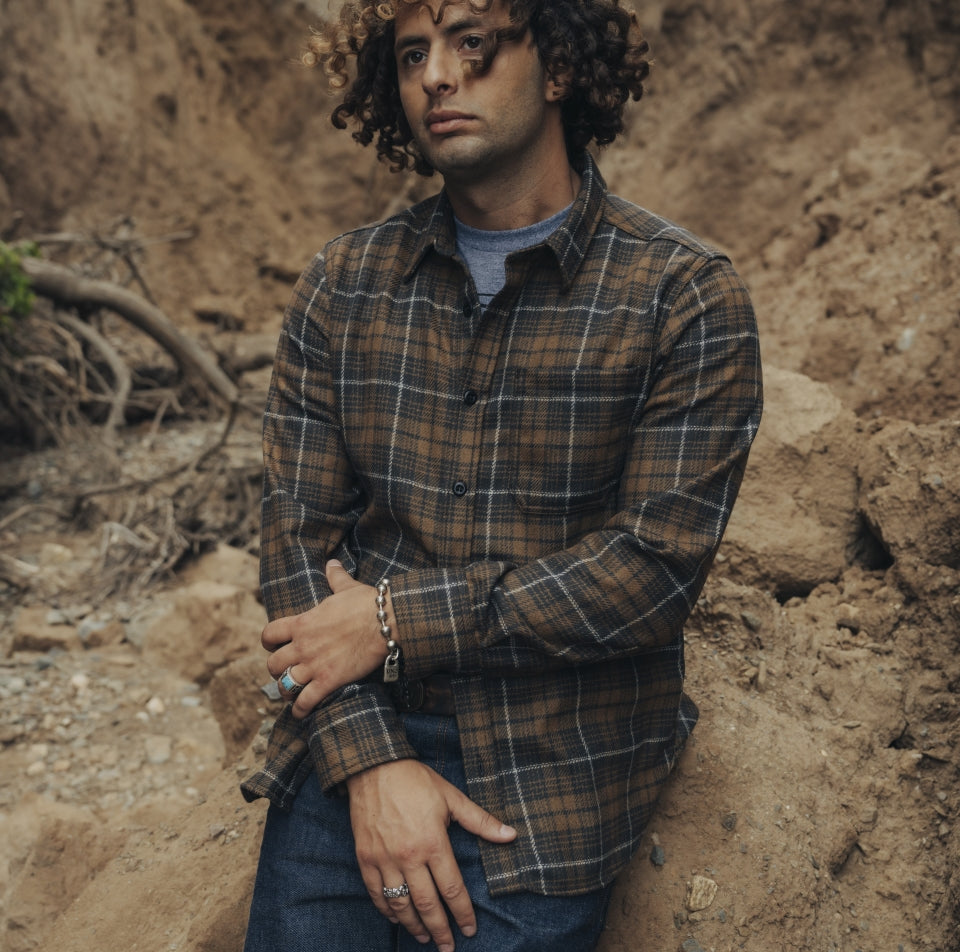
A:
178, 148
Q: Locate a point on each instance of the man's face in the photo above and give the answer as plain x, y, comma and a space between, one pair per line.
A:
469, 125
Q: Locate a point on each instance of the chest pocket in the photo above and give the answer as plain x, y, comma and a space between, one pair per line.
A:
568, 438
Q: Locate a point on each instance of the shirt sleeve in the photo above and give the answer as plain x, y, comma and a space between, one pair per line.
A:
311, 500
630, 585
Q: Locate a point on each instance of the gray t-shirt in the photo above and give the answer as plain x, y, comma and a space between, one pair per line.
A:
485, 252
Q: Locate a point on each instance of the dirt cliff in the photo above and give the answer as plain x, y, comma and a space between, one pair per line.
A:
178, 147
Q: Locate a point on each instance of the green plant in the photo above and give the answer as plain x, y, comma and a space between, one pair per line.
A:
16, 298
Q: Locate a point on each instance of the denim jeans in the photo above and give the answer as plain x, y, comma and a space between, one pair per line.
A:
310, 897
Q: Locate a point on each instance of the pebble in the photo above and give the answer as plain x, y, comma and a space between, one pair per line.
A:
158, 748
271, 690
80, 682
700, 893
762, 677
657, 856
156, 707
752, 621
14, 685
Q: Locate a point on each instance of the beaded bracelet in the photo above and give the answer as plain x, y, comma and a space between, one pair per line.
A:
391, 666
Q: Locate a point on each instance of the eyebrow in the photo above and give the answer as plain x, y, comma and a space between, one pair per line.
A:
465, 22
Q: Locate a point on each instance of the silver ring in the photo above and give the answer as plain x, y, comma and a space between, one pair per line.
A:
288, 683
396, 892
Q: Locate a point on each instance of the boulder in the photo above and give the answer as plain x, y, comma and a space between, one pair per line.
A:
203, 627
795, 524
910, 490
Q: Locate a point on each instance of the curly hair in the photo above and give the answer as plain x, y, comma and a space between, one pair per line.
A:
594, 46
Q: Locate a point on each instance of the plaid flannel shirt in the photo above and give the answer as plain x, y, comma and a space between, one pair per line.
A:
545, 483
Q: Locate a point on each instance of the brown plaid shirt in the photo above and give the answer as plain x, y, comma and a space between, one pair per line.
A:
545, 483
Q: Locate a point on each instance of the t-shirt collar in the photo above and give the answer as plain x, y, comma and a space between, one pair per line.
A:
569, 242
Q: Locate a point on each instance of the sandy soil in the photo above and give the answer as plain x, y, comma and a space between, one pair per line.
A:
816, 805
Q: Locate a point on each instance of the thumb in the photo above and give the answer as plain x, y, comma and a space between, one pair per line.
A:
475, 819
338, 578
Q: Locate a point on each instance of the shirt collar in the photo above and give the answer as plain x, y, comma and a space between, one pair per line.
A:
568, 243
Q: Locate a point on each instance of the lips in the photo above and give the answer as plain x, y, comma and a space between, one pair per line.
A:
443, 121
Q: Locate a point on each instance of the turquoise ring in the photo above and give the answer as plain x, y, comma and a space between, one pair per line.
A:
288, 684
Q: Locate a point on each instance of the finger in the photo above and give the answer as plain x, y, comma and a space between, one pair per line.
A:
295, 673
278, 661
307, 700
472, 817
374, 883
452, 890
338, 578
428, 908
275, 634
402, 909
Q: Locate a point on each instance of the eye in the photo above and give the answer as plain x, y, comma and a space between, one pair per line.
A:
472, 43
413, 58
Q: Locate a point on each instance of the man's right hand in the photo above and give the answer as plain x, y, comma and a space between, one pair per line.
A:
400, 812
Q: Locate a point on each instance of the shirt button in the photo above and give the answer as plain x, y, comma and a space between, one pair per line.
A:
459, 488
470, 398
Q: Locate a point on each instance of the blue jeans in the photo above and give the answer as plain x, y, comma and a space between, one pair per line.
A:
309, 895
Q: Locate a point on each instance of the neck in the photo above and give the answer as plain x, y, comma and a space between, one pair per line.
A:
497, 206
536, 185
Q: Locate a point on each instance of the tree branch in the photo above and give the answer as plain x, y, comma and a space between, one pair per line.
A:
65, 287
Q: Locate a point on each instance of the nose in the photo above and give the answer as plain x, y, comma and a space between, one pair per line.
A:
441, 73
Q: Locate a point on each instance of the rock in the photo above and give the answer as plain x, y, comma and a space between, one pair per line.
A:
795, 523
700, 894
157, 748
910, 491
848, 616
227, 565
220, 310
763, 678
80, 683
204, 626
33, 632
99, 632
657, 856
752, 620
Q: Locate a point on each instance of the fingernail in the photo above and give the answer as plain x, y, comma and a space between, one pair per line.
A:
335, 562
507, 830
469, 931
445, 948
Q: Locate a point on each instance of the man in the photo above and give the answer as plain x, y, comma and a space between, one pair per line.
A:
504, 435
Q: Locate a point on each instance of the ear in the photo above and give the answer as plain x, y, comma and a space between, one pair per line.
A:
558, 86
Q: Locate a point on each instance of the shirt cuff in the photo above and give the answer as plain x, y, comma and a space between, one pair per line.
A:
357, 731
441, 615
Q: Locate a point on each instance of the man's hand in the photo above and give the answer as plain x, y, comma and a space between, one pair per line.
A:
400, 812
335, 643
